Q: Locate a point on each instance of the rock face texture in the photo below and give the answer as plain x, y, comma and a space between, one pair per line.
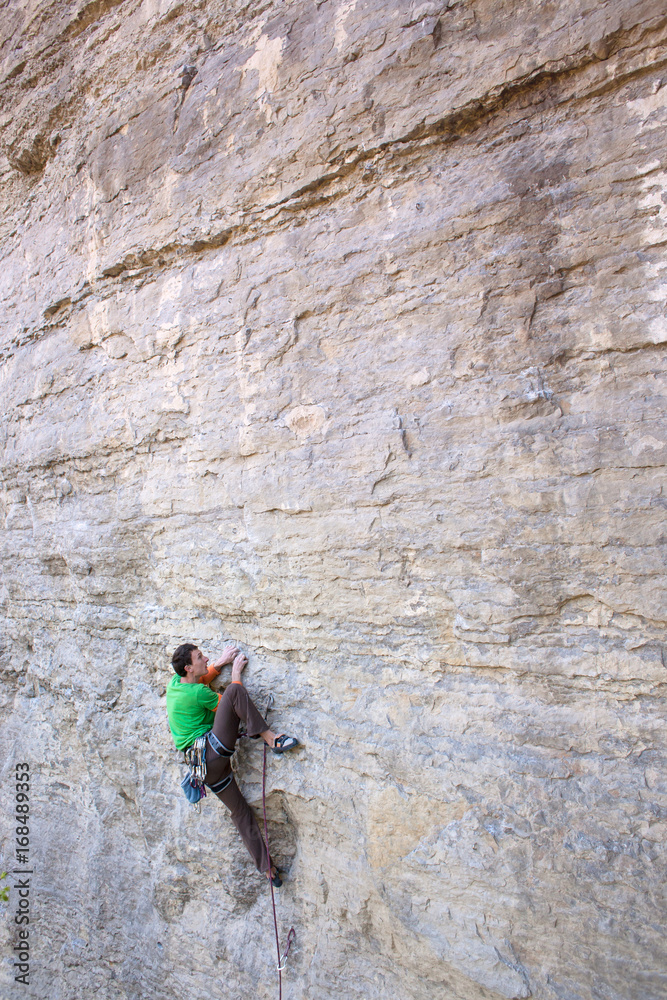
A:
335, 328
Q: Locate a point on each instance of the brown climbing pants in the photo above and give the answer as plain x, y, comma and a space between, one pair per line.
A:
234, 707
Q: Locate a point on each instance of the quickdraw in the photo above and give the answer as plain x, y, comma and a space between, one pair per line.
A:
291, 938
195, 758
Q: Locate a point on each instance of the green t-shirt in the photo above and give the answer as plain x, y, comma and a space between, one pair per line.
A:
191, 710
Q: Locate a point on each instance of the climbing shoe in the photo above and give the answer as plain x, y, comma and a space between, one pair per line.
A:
276, 879
284, 743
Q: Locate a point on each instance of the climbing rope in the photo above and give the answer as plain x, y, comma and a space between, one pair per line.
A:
291, 937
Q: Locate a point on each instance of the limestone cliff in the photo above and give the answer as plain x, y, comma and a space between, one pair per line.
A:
335, 328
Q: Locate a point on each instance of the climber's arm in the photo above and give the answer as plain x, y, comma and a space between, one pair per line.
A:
210, 675
214, 670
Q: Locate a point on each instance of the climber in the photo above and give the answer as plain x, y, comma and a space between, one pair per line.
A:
196, 711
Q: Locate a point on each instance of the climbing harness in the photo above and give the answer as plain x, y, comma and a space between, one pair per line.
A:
217, 746
193, 783
220, 786
291, 937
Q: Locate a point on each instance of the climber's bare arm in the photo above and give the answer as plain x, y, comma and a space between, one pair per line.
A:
228, 655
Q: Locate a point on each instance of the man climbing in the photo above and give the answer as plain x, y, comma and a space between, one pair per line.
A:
196, 711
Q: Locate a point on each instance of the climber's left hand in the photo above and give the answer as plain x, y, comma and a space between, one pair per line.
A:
228, 655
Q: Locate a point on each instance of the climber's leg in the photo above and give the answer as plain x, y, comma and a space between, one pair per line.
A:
244, 820
234, 707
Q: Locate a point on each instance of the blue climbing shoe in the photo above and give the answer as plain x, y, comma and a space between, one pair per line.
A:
284, 743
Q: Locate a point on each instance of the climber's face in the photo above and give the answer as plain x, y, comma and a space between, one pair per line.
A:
197, 666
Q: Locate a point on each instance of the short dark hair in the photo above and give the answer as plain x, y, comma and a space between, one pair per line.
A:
183, 657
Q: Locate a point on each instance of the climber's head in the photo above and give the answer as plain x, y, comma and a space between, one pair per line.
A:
188, 659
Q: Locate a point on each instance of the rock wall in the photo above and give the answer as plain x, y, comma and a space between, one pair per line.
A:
335, 328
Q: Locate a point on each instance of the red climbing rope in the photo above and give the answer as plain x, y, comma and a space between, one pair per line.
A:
292, 933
